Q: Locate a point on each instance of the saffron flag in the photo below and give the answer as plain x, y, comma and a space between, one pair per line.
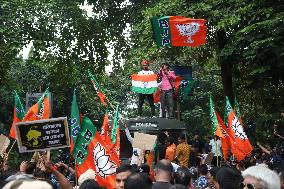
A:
240, 144
144, 84
104, 130
97, 88
91, 153
41, 110
216, 125
19, 114
178, 31
75, 121
106, 137
225, 140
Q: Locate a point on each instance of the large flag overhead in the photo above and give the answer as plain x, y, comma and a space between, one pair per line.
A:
144, 84
240, 146
41, 110
19, 114
75, 121
98, 90
216, 125
178, 31
91, 152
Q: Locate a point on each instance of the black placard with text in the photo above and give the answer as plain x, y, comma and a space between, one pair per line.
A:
42, 135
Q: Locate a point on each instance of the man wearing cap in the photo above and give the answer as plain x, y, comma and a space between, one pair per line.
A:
163, 174
145, 71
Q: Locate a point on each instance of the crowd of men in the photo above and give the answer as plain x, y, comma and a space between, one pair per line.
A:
177, 169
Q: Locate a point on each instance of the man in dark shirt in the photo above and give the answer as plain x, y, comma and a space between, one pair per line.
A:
163, 174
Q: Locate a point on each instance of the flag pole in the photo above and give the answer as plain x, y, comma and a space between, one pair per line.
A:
75, 175
111, 105
216, 151
11, 148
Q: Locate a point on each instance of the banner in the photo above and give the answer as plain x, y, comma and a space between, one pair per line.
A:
4, 143
42, 135
178, 31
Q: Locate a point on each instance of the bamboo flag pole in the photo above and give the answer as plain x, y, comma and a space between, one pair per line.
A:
11, 148
216, 148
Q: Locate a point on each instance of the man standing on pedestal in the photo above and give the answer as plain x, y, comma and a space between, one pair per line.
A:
167, 90
145, 84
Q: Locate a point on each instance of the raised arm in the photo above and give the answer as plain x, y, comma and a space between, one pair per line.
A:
128, 135
263, 148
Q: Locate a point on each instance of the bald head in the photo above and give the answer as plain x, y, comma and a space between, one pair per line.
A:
163, 171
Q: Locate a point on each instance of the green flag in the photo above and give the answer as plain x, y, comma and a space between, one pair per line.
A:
228, 109
85, 136
216, 128
19, 114
115, 125
237, 108
75, 121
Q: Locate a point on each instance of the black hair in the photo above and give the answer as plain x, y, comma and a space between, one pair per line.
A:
170, 140
182, 136
203, 169
178, 186
124, 168
138, 181
229, 178
90, 184
182, 176
144, 168
39, 174
213, 172
31, 166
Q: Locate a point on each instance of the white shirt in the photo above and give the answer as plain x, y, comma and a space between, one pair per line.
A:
145, 72
212, 143
136, 151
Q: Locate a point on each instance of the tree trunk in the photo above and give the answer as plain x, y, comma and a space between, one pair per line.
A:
226, 67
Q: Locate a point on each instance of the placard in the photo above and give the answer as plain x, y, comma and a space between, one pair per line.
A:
42, 134
4, 143
144, 141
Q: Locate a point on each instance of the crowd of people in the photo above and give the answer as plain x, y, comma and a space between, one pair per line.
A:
180, 167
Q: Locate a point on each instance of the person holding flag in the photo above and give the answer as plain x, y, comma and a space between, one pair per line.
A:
145, 84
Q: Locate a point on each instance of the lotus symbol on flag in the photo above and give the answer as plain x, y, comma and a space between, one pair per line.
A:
238, 129
104, 166
188, 30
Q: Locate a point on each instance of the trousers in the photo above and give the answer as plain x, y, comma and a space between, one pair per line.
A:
167, 102
141, 102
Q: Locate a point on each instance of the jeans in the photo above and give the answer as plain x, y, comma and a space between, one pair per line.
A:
167, 102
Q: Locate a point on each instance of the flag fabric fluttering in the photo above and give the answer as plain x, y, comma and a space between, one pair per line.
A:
178, 31
75, 121
216, 125
144, 84
19, 114
240, 144
40, 110
105, 129
225, 140
91, 152
237, 110
98, 90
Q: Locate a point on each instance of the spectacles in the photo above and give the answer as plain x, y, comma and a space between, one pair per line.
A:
249, 186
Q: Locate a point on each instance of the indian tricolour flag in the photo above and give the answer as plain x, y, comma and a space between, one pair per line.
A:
144, 84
